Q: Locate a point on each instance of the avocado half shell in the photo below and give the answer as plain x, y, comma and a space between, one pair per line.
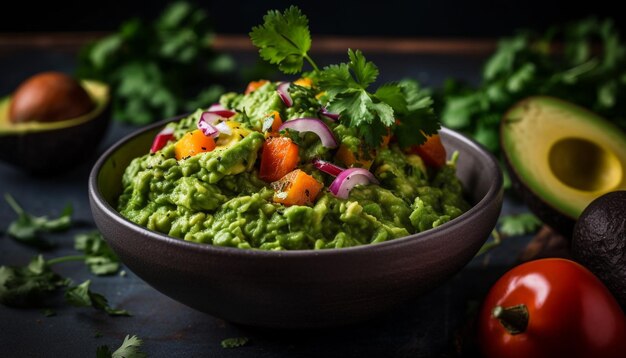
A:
561, 157
51, 147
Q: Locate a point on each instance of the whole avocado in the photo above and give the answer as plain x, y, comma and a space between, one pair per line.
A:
599, 241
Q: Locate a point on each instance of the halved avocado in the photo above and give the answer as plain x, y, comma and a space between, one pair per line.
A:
561, 157
51, 147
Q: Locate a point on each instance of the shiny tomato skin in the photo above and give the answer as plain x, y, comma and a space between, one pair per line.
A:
571, 314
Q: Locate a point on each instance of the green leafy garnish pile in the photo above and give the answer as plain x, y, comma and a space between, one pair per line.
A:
284, 39
31, 285
160, 69
589, 71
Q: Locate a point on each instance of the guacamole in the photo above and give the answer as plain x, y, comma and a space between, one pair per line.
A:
220, 196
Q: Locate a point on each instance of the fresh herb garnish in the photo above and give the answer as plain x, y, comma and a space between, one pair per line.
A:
27, 228
130, 348
82, 296
284, 39
99, 256
520, 224
235, 342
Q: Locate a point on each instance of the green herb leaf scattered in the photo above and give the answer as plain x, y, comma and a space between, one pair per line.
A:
28, 228
28, 286
99, 256
235, 342
520, 224
130, 348
82, 296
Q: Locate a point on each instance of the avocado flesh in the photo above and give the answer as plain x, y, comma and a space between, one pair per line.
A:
48, 148
561, 157
98, 92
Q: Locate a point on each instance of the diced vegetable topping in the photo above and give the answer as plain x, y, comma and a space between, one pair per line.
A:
279, 157
193, 143
283, 92
255, 85
327, 167
348, 179
161, 139
312, 125
432, 152
296, 188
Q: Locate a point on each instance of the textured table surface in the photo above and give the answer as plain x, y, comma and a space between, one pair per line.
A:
428, 326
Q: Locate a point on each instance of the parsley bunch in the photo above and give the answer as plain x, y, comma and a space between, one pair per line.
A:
284, 39
584, 73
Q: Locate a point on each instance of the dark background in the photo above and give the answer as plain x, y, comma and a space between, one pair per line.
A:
441, 18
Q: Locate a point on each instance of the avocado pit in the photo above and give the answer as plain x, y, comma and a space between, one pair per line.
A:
49, 97
584, 165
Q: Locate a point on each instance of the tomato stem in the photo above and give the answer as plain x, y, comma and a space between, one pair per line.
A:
513, 318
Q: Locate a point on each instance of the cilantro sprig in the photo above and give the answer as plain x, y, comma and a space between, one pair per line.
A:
28, 228
284, 39
130, 348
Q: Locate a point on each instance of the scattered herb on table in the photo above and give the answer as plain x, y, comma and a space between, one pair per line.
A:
82, 296
159, 69
130, 348
284, 39
525, 65
235, 342
99, 256
29, 285
27, 228
519, 224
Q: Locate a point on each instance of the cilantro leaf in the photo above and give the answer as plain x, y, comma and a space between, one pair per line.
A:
82, 296
418, 120
27, 228
520, 224
347, 85
99, 256
130, 348
284, 39
28, 286
234, 342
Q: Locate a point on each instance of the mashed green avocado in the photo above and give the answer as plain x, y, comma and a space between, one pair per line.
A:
218, 198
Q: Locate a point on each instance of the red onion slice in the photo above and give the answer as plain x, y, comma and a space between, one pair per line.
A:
210, 117
283, 92
207, 128
314, 125
161, 139
332, 116
327, 167
348, 179
221, 111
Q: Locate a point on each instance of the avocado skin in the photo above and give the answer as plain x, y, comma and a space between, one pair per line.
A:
54, 151
558, 221
599, 241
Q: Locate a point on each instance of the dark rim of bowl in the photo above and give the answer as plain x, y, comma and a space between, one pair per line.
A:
473, 212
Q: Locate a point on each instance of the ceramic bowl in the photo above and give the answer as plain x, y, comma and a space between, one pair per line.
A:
306, 288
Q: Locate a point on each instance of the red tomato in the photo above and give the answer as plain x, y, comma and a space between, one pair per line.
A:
569, 313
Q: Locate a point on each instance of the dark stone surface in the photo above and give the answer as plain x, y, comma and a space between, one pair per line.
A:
425, 327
